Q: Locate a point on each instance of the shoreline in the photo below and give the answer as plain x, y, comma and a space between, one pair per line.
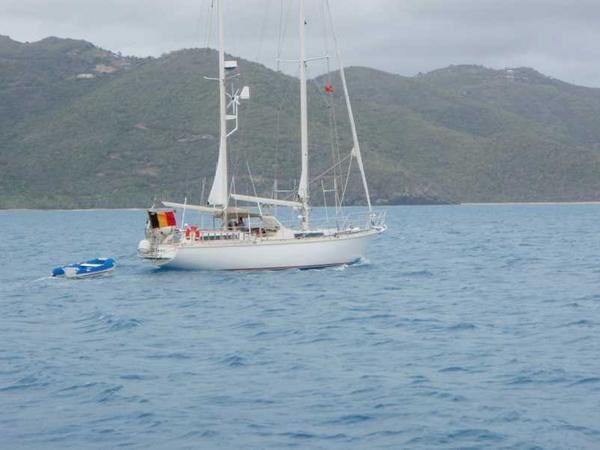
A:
468, 204
594, 202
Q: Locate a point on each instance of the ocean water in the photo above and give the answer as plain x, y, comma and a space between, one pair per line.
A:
469, 327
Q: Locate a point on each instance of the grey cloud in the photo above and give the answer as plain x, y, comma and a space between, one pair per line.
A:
558, 37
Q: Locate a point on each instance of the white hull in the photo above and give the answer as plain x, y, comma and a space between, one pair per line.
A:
267, 254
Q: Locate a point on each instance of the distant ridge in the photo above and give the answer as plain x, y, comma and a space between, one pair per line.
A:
82, 127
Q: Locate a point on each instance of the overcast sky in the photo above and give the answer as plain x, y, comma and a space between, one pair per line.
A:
560, 38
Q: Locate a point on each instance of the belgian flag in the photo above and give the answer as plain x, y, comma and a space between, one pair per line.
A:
162, 219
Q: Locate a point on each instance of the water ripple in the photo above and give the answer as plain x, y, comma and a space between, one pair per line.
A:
470, 327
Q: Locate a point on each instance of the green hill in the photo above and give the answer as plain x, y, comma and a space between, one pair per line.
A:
84, 127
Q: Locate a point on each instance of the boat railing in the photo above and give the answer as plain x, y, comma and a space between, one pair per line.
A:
357, 220
241, 234
377, 219
373, 219
183, 236
352, 222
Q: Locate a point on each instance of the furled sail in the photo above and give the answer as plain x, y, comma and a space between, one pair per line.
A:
218, 194
303, 189
303, 186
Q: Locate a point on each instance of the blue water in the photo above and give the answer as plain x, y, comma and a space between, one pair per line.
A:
470, 327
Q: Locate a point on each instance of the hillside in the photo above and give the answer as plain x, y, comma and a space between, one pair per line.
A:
84, 127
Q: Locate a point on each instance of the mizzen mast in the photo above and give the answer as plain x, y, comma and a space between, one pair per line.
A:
303, 189
356, 144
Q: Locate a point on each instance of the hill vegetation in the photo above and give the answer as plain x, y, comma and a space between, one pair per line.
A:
85, 127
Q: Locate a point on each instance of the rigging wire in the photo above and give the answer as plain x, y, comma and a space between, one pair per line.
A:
334, 138
355, 145
209, 27
347, 179
262, 32
322, 174
334, 130
188, 185
202, 195
253, 186
285, 95
285, 92
284, 16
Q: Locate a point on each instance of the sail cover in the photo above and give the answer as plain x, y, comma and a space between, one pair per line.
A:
303, 186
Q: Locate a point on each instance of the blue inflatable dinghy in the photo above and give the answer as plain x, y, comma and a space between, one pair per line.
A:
98, 266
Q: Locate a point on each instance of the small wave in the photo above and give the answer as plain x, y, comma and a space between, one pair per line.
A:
590, 380
521, 379
234, 361
577, 340
107, 322
317, 340
299, 435
361, 262
380, 316
512, 262
417, 322
441, 395
589, 298
174, 355
351, 419
581, 429
386, 341
109, 394
302, 435
132, 376
417, 273
540, 376
453, 369
201, 434
580, 323
29, 381
462, 327
125, 324
363, 391
47, 278
250, 324
477, 435
419, 379
392, 288
386, 433
77, 387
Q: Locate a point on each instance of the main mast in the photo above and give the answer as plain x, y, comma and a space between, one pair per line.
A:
223, 111
219, 194
303, 190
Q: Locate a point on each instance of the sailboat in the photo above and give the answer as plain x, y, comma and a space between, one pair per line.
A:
253, 238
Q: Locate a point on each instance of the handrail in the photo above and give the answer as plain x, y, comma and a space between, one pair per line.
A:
375, 219
361, 220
